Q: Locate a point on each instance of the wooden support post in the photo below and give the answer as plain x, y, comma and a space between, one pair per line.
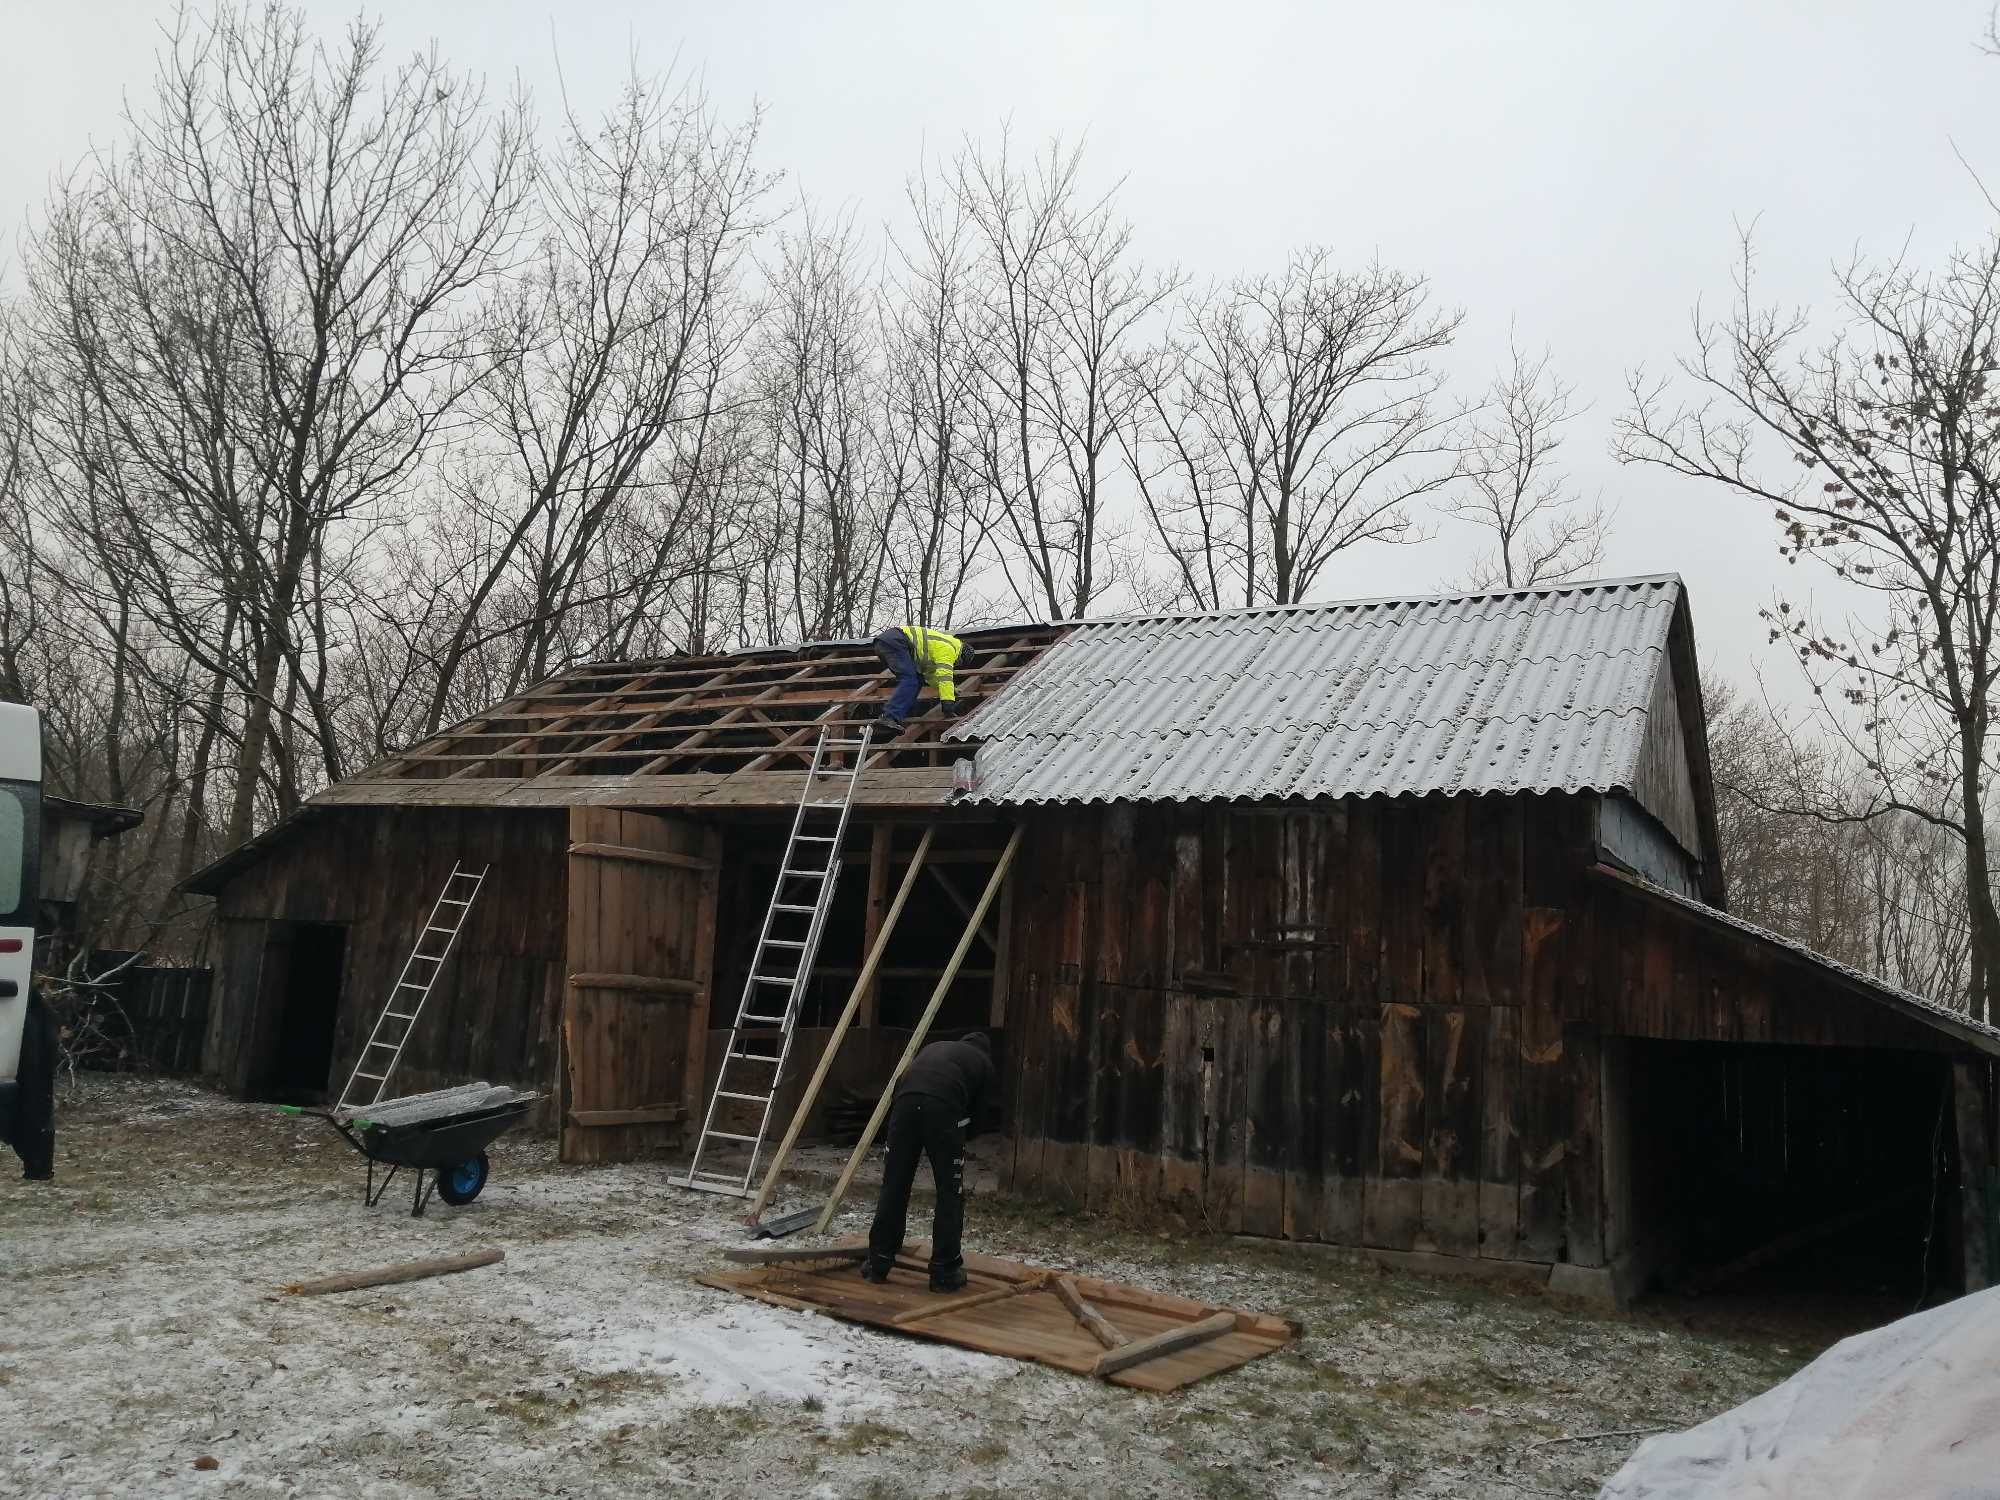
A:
1979, 1172
1101, 1327
1168, 1341
878, 895
875, 1120
862, 982
414, 1270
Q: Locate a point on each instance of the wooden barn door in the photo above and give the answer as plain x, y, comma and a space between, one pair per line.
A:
640, 951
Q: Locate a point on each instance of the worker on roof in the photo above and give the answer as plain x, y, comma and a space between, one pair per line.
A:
936, 1105
918, 654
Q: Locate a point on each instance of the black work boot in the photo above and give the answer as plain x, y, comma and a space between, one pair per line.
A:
875, 1271
948, 1278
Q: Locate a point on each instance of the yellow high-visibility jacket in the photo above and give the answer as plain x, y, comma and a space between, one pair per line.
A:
936, 651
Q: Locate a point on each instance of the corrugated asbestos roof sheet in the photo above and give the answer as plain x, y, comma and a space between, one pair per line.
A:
1537, 690
1931, 1012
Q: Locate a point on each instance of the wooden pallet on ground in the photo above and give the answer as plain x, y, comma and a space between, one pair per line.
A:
1127, 1335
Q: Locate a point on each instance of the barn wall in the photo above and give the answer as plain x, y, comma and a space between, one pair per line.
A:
375, 872
1379, 1023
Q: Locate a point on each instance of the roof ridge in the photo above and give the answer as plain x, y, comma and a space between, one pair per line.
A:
1577, 586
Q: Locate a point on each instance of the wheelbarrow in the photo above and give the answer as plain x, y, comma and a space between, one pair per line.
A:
442, 1135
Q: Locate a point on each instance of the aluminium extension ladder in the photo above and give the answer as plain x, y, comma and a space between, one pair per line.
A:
767, 1016
372, 1069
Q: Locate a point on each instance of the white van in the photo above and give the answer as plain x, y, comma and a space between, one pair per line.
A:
26, 1096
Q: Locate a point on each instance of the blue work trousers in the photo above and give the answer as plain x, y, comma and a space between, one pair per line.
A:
894, 647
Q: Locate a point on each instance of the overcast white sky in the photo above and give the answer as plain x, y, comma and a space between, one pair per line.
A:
1577, 168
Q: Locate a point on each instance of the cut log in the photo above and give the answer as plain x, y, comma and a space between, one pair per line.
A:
411, 1270
976, 1299
1100, 1327
1138, 1351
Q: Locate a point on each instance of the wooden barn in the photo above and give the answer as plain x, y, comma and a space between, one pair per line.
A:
1394, 924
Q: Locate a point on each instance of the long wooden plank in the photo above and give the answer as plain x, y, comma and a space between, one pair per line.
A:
1138, 1351
862, 984
922, 1030
651, 1114
1099, 1326
644, 984
410, 1270
642, 856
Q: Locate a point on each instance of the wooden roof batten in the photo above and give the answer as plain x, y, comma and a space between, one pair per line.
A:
756, 712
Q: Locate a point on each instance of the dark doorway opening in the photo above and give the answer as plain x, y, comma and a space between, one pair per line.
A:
1779, 1171
309, 958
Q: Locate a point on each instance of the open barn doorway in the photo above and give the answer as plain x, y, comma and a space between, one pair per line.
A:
304, 963
1779, 1171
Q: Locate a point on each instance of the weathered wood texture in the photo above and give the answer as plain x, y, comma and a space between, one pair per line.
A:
1015, 1310
1374, 1022
640, 951
375, 872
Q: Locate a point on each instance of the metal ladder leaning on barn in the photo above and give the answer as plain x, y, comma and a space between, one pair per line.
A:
413, 987
769, 1010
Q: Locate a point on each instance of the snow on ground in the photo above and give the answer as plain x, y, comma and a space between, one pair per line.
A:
146, 1331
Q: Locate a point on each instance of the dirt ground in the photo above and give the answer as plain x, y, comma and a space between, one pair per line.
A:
146, 1331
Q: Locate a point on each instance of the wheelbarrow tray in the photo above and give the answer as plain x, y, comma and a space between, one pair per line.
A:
434, 1134
438, 1129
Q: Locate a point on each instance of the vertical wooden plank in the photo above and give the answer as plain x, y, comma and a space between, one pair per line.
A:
1189, 899
1583, 1155
1351, 1071
1003, 956
1402, 904
1228, 1130
1142, 1097
1446, 882
1364, 901
1393, 1209
1455, 1056
707, 913
1182, 1105
1107, 1007
1499, 1174
879, 840
1542, 1100
1069, 1063
1307, 1025
1491, 911
1268, 1130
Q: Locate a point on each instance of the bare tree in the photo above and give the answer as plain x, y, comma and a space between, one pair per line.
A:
1543, 531
1061, 301
1293, 417
1877, 453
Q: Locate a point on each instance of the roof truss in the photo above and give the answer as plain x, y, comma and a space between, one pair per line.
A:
750, 711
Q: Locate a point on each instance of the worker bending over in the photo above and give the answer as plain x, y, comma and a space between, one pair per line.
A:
917, 655
935, 1104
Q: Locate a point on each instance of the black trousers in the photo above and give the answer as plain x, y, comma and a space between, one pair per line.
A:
33, 1130
922, 1126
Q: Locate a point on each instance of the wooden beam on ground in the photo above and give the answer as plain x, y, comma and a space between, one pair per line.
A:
862, 984
409, 1270
774, 1255
978, 1299
1100, 1327
993, 883
1167, 1341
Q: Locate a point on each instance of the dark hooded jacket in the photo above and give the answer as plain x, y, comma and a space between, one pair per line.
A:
955, 1072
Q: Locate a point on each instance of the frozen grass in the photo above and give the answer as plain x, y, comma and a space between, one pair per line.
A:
146, 1330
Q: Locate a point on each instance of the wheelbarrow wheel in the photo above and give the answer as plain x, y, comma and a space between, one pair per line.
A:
461, 1182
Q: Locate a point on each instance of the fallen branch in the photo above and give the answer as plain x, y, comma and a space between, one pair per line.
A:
1591, 1437
412, 1270
1167, 1341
